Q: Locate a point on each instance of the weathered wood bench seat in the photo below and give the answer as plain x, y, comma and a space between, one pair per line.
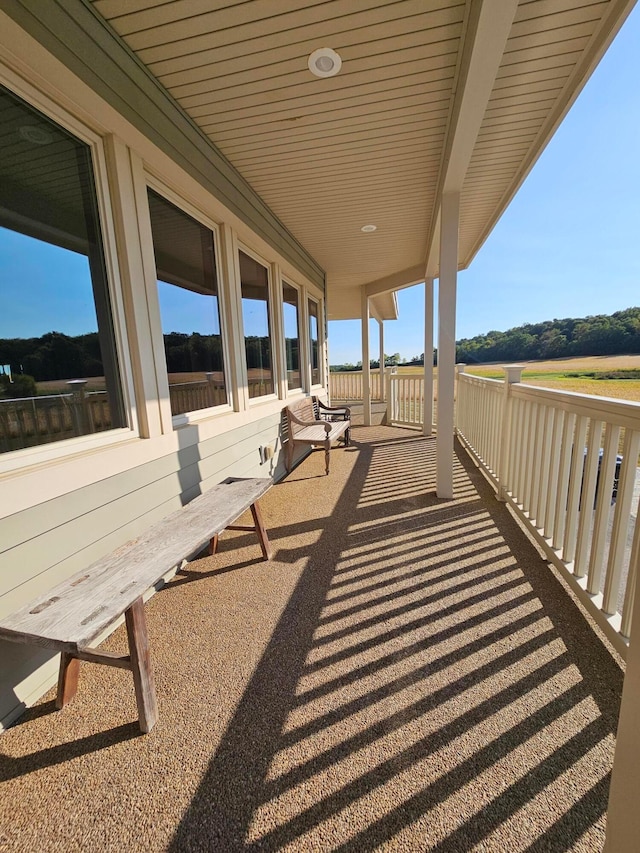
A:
310, 421
71, 617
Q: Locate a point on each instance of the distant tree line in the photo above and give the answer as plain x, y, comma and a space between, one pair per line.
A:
601, 334
56, 356
53, 356
389, 361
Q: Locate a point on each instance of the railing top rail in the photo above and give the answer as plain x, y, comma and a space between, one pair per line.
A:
188, 384
39, 399
478, 380
610, 409
622, 412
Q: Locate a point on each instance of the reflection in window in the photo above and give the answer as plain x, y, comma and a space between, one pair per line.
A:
314, 340
189, 308
59, 375
291, 335
254, 278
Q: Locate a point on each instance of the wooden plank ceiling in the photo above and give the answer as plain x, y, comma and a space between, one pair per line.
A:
368, 146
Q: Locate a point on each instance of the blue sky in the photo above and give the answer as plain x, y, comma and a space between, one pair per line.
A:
66, 299
569, 243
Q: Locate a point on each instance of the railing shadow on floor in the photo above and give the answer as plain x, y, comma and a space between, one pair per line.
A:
428, 681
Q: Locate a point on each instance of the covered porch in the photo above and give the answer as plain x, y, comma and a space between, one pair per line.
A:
408, 673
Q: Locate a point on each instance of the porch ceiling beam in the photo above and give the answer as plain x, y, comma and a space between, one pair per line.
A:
487, 30
373, 310
433, 258
396, 281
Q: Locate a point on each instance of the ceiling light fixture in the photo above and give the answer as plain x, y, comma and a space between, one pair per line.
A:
324, 62
35, 134
369, 229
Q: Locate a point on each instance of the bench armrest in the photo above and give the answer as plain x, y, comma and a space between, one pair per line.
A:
344, 411
296, 420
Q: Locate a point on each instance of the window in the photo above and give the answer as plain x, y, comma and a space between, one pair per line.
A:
189, 307
291, 335
254, 278
314, 341
60, 376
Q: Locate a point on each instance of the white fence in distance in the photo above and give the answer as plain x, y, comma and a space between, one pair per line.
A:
348, 386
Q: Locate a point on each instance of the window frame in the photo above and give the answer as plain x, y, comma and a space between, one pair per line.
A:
18, 460
286, 281
319, 305
197, 415
273, 326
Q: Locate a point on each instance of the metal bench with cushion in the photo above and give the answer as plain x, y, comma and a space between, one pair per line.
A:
71, 617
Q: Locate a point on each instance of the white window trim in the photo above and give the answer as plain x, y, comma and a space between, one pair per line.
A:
319, 304
18, 460
198, 415
285, 279
273, 326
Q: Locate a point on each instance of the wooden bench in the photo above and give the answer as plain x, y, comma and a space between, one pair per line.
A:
309, 421
71, 617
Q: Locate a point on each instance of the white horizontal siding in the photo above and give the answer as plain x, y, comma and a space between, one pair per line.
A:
52, 540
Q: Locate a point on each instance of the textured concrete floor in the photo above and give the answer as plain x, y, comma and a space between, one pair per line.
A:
407, 674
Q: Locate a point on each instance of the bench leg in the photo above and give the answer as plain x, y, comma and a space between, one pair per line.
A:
265, 545
67, 679
213, 545
141, 665
289, 455
327, 448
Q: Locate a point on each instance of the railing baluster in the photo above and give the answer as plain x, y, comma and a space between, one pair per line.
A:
563, 479
621, 520
547, 429
518, 456
587, 497
536, 468
554, 465
603, 505
575, 484
529, 460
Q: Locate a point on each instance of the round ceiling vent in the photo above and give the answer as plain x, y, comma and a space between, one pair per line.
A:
36, 135
324, 62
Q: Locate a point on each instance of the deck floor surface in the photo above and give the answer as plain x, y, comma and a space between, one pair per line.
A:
407, 674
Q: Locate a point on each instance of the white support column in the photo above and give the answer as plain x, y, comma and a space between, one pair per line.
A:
381, 331
447, 342
427, 418
366, 371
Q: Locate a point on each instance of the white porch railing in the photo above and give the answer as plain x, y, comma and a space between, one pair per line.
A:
29, 421
348, 386
406, 400
554, 457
